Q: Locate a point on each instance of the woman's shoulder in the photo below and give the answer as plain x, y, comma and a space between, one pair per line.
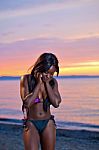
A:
24, 77
55, 81
27, 78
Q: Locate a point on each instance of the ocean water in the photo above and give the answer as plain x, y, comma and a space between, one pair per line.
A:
79, 108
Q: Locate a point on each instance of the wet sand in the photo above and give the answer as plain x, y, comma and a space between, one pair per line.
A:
11, 138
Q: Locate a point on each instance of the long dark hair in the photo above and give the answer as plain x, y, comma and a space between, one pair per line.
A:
43, 64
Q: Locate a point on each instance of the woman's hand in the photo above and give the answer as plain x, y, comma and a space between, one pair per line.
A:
38, 77
46, 77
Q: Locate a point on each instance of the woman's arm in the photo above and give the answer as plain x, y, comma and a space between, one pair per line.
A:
24, 92
53, 94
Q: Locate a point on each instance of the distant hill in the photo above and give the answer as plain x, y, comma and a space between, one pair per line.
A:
79, 76
9, 77
59, 77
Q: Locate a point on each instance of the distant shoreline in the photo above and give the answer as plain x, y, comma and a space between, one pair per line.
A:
59, 77
9, 77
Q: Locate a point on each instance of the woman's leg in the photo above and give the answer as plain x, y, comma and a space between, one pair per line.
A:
31, 137
48, 136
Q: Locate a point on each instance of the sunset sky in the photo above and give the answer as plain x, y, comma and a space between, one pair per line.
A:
67, 28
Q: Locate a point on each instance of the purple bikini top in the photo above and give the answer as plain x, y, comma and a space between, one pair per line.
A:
37, 100
46, 103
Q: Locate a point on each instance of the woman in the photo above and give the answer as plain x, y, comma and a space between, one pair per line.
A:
38, 91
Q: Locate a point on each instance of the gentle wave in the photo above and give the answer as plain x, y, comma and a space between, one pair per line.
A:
60, 124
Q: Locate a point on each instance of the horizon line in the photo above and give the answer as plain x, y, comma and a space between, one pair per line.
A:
55, 75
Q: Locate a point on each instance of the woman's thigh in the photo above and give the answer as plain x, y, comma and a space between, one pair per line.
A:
48, 136
31, 137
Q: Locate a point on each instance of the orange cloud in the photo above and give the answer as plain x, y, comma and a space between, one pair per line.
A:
86, 70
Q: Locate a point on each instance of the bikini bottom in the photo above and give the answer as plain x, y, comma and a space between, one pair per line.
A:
40, 124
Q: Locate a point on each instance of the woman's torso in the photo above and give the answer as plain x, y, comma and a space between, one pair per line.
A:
36, 111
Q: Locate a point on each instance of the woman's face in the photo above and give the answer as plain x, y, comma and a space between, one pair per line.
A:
52, 70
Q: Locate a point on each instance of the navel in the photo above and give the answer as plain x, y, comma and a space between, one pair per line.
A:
40, 113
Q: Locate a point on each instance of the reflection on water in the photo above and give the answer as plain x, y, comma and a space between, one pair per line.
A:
10, 101
80, 100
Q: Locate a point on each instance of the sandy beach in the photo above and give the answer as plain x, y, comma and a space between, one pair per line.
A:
11, 138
